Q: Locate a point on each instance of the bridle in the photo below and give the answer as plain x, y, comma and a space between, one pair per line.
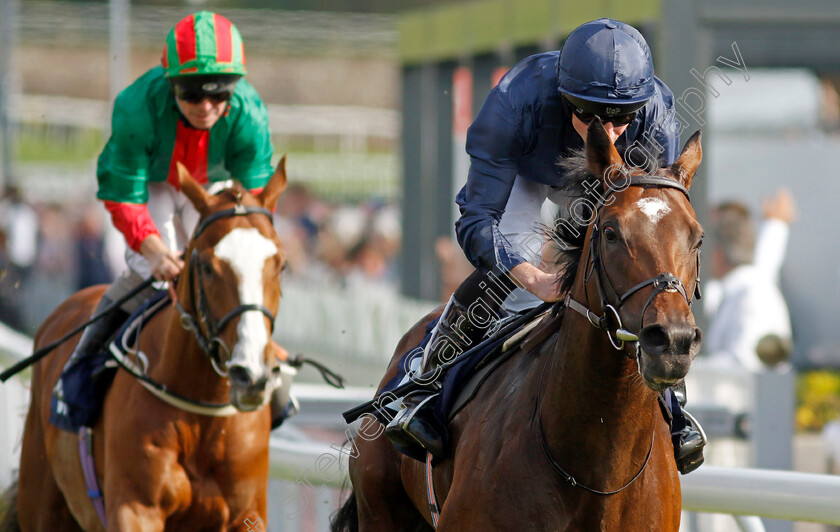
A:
203, 325
664, 282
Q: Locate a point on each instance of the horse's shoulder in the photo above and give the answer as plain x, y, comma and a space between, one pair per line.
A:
495, 398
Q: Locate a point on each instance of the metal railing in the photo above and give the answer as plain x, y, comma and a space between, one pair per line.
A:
768, 493
321, 466
295, 32
342, 121
344, 169
744, 492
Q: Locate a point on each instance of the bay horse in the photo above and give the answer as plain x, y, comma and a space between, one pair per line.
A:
568, 435
159, 466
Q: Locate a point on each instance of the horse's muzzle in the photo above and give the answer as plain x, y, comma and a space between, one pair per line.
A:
667, 352
247, 391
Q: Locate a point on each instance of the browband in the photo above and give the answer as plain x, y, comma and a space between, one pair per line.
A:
655, 180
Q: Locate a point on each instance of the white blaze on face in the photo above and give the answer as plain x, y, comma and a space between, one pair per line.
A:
246, 251
653, 208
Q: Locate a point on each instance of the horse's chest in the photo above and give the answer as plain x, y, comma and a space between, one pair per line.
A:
212, 504
217, 488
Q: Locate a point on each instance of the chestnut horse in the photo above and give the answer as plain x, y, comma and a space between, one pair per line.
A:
570, 435
160, 466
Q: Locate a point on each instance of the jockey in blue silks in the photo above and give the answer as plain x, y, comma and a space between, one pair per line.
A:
537, 114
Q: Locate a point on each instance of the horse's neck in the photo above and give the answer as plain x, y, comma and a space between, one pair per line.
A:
181, 364
594, 400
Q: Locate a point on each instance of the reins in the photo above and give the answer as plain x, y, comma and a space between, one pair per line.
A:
47, 349
565, 475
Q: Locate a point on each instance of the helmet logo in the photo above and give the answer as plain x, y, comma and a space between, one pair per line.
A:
612, 111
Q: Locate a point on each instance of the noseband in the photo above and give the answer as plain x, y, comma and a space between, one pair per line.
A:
205, 327
664, 282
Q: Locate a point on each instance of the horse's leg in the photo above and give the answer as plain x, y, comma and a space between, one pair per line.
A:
62, 449
382, 503
37, 486
381, 500
41, 505
135, 481
135, 517
51, 489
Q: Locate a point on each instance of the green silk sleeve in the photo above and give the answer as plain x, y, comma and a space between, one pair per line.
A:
122, 168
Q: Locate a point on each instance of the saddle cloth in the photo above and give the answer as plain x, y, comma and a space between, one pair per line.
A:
80, 391
460, 384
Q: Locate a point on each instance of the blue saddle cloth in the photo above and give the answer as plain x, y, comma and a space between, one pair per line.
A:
451, 384
80, 391
460, 375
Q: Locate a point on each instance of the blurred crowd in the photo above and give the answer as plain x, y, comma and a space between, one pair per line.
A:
348, 246
47, 252
50, 250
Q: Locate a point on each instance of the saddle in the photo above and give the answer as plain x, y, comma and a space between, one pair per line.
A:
461, 379
80, 391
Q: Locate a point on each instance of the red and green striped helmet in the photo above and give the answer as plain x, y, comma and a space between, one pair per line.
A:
203, 43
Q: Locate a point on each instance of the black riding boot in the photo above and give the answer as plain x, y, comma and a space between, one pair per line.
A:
94, 336
686, 433
412, 426
78, 392
453, 335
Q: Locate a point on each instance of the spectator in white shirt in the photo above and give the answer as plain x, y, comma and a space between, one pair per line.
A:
749, 322
20, 223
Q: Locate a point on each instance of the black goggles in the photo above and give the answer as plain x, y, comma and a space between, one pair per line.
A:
587, 118
191, 95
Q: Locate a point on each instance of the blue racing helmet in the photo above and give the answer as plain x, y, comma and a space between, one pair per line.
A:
605, 68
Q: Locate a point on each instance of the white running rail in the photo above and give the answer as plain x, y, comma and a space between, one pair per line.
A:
739, 491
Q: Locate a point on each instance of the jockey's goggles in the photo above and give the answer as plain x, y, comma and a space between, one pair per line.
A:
618, 120
194, 89
618, 112
194, 96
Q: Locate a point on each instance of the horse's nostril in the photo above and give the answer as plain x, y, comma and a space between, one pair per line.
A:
675, 339
684, 339
654, 339
240, 376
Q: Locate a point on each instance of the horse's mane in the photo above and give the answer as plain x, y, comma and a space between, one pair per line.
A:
566, 239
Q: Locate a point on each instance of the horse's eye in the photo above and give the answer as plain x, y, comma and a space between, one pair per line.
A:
206, 268
610, 235
699, 242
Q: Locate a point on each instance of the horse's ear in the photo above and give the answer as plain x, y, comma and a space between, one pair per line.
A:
190, 187
275, 186
688, 161
600, 152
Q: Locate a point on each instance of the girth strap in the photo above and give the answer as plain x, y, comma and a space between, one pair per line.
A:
434, 509
89, 472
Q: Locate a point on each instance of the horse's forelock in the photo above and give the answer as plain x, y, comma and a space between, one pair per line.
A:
232, 193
